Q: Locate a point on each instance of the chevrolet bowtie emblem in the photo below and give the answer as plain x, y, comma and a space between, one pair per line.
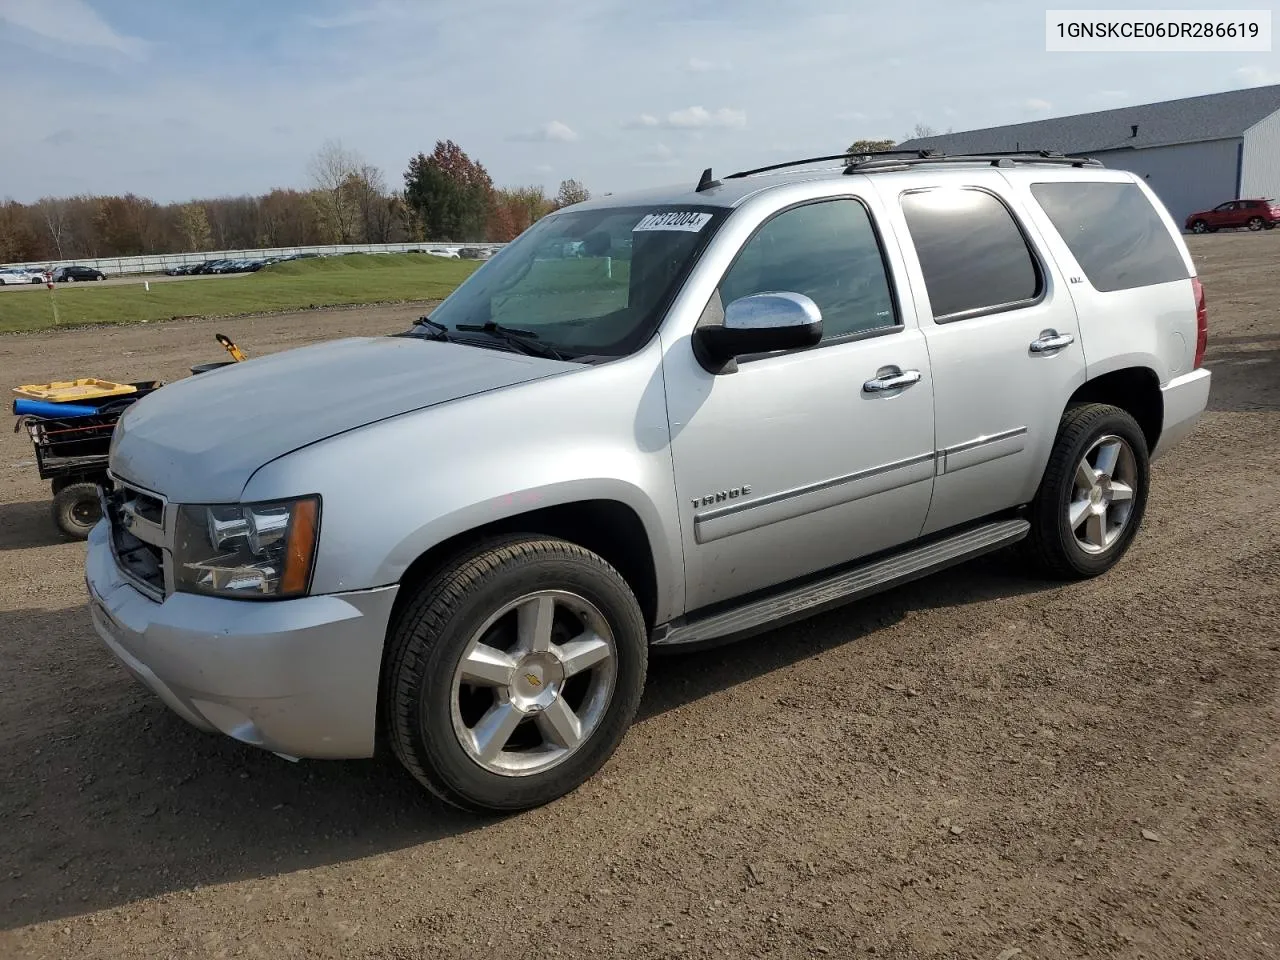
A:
533, 679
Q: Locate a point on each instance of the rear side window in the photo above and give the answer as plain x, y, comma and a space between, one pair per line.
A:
973, 255
1114, 233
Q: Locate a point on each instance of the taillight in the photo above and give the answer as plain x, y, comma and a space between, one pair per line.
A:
1202, 322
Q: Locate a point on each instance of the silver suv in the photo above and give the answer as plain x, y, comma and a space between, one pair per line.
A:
726, 407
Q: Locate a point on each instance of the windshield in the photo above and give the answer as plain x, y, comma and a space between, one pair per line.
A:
589, 282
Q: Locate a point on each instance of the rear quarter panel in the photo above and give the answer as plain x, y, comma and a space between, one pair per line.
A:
1149, 326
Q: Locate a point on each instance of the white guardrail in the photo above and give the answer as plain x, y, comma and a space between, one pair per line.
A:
160, 262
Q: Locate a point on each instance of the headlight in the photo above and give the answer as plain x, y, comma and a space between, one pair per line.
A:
252, 550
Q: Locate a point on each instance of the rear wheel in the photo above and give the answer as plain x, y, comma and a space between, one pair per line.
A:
1255, 223
513, 674
77, 509
1093, 494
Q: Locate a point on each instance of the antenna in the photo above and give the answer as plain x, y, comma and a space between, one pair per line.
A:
707, 181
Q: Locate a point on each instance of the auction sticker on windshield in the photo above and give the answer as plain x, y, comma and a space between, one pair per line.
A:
681, 220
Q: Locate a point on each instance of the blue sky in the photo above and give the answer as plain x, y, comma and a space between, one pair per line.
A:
186, 98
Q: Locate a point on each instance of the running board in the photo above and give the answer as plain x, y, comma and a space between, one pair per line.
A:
861, 581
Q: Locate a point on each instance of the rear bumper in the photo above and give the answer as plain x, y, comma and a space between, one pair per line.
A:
297, 677
1185, 399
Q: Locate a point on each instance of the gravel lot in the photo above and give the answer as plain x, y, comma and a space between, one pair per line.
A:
971, 766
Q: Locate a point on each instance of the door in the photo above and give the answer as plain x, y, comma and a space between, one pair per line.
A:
1224, 215
791, 464
1003, 343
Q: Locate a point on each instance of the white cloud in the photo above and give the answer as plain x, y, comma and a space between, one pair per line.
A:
71, 22
700, 117
1036, 105
699, 65
692, 118
551, 132
1256, 76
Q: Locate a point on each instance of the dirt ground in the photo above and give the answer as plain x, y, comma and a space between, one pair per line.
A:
972, 766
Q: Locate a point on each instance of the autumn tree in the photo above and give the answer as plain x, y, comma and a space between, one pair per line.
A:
55, 214
18, 241
127, 225
861, 148
451, 193
193, 225
286, 219
570, 192
332, 167
233, 221
366, 189
514, 210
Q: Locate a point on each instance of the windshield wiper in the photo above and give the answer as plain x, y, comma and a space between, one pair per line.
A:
438, 330
522, 340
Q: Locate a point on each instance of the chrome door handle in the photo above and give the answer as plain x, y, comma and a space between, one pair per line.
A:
894, 381
1051, 342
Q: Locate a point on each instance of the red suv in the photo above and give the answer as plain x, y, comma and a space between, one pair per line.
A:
1254, 214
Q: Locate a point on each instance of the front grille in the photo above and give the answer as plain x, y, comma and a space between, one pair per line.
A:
137, 536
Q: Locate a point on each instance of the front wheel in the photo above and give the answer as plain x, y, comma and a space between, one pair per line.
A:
513, 674
1093, 494
1199, 227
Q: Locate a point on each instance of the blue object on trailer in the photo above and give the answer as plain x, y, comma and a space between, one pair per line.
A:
42, 408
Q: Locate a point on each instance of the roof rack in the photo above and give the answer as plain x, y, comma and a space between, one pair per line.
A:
1006, 158
901, 159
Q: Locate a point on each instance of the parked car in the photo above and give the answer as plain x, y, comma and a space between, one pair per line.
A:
1254, 214
76, 274
12, 276
813, 386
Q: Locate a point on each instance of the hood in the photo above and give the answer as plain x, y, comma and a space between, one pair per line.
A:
200, 439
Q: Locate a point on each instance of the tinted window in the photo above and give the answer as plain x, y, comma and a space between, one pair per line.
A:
828, 251
1114, 233
973, 255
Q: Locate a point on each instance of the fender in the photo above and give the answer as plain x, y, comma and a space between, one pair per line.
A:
392, 490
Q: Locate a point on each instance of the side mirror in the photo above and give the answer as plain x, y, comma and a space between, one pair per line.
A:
760, 323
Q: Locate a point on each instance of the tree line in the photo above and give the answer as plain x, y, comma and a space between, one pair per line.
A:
447, 197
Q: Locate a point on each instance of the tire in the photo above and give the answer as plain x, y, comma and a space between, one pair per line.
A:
432, 714
77, 509
1255, 223
1199, 227
1068, 551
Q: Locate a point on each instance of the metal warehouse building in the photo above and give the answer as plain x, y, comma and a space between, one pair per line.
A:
1195, 153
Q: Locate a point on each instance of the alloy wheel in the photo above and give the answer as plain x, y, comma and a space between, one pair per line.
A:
1103, 494
533, 683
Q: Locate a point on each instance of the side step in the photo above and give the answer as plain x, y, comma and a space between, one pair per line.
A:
861, 581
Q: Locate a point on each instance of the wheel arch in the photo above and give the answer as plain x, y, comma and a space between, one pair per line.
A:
607, 527
1135, 390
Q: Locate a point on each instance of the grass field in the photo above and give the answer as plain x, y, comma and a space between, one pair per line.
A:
296, 285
